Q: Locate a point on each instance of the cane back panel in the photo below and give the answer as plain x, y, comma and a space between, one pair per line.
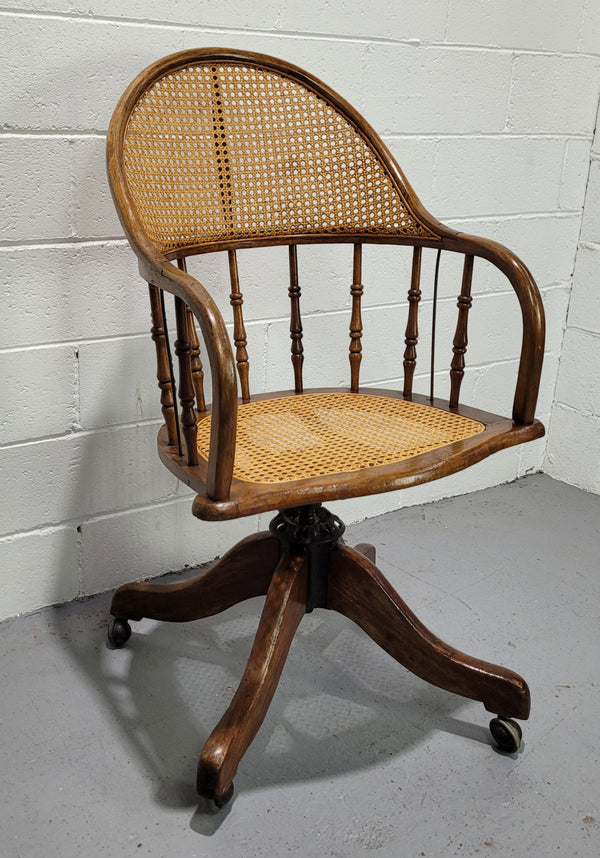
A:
219, 150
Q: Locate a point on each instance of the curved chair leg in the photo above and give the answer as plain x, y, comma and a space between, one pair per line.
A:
284, 607
367, 550
245, 571
358, 590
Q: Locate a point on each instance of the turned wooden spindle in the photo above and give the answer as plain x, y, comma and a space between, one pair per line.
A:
239, 331
197, 368
434, 325
356, 290
412, 324
164, 368
183, 350
295, 320
457, 368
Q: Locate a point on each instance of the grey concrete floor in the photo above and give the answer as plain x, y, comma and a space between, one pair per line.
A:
356, 756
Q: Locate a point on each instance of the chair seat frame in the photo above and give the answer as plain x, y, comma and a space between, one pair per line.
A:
247, 498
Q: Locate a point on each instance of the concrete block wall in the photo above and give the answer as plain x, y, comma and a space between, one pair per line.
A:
573, 450
490, 109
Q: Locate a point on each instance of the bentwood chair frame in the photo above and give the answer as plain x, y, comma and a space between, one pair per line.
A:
216, 150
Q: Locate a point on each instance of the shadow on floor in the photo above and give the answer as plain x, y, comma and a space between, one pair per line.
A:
342, 703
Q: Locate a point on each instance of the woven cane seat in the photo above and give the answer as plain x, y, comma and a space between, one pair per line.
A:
297, 437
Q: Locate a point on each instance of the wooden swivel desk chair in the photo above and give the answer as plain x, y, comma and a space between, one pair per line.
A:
215, 150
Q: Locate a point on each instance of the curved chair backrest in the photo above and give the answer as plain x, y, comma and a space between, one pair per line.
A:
220, 148
213, 149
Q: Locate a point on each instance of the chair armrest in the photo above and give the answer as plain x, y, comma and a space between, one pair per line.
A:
158, 271
532, 311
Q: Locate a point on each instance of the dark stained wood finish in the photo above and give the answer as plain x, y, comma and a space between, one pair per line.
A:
157, 269
367, 549
163, 365
195, 360
532, 313
356, 290
247, 498
239, 331
218, 475
434, 325
459, 348
284, 608
412, 326
295, 320
356, 588
183, 350
245, 571
359, 591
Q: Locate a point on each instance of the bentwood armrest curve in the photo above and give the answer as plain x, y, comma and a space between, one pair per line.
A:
161, 273
224, 380
532, 313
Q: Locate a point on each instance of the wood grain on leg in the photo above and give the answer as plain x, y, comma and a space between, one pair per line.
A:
284, 607
358, 590
245, 571
367, 550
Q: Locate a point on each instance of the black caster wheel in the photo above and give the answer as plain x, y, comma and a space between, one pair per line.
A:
215, 804
506, 733
118, 633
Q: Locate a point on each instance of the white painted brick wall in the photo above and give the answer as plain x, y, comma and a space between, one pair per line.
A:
489, 108
545, 100
40, 392
573, 450
503, 174
407, 91
35, 188
39, 567
61, 293
545, 25
575, 174
590, 227
584, 309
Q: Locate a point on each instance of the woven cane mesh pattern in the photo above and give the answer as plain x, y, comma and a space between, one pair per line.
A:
315, 434
228, 151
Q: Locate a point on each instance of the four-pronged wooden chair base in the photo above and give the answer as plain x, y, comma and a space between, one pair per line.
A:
301, 564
